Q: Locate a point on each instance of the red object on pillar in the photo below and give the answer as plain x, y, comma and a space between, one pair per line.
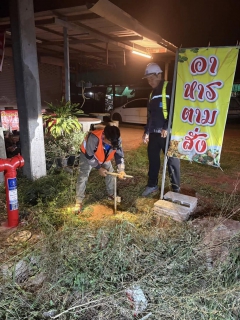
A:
9, 167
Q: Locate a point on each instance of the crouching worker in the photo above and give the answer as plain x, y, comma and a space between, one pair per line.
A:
97, 151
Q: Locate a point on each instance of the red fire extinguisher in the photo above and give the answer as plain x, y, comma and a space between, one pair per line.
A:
9, 166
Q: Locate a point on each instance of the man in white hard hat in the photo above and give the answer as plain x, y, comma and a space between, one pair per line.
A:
156, 130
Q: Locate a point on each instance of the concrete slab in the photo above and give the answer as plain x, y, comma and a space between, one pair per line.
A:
175, 205
182, 199
169, 209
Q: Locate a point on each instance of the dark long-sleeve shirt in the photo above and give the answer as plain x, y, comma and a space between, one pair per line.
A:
155, 117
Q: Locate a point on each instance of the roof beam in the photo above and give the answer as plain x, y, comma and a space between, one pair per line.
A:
43, 22
73, 51
45, 44
46, 21
93, 33
128, 38
114, 14
60, 34
87, 16
74, 40
75, 55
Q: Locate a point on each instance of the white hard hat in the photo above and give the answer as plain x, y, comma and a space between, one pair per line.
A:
152, 68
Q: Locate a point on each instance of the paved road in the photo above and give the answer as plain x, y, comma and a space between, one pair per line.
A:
131, 136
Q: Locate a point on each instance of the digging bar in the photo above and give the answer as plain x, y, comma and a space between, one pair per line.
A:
115, 175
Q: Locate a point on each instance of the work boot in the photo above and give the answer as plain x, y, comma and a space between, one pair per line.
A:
149, 190
78, 208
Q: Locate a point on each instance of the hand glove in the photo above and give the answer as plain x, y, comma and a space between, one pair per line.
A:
103, 172
145, 138
122, 175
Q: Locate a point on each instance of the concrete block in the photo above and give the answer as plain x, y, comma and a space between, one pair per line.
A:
182, 199
169, 209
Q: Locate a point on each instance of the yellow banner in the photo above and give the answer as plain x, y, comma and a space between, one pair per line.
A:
203, 89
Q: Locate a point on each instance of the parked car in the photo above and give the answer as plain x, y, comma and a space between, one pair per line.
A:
134, 111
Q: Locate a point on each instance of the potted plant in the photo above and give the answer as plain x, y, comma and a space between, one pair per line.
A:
62, 132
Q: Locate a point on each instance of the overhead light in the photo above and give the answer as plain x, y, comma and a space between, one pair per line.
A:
142, 54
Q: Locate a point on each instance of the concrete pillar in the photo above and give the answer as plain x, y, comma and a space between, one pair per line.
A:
66, 65
27, 87
166, 71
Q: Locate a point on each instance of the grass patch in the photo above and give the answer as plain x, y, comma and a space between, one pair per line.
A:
87, 271
77, 268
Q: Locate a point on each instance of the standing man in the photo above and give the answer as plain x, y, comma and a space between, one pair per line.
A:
97, 151
156, 130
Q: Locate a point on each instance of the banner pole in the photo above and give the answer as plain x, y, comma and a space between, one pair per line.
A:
169, 124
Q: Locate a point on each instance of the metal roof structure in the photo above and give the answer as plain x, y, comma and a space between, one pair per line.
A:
100, 35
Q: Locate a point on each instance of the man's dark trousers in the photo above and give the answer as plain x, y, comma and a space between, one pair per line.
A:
155, 145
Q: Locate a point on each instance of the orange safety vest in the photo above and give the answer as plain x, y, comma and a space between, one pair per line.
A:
99, 153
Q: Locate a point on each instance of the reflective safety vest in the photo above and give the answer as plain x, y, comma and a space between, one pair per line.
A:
99, 154
164, 99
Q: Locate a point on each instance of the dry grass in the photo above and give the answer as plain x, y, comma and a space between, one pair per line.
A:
76, 268
87, 271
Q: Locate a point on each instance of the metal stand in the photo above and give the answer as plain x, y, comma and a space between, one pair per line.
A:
115, 187
115, 195
169, 126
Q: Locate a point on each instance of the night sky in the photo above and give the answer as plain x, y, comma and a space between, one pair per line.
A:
189, 23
